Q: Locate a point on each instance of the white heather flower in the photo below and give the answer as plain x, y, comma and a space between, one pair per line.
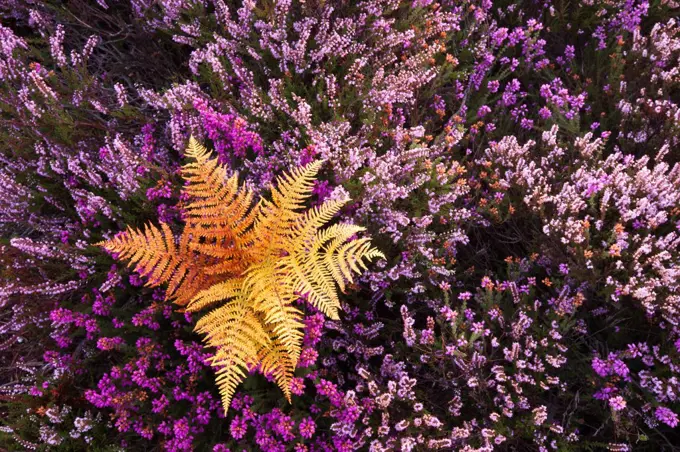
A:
617, 403
540, 414
401, 425
339, 194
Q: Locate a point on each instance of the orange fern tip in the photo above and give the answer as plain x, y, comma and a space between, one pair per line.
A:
108, 245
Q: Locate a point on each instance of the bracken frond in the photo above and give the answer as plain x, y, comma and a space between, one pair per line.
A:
238, 337
282, 213
249, 264
154, 254
276, 361
221, 213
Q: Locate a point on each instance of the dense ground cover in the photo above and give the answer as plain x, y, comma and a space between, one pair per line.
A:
515, 162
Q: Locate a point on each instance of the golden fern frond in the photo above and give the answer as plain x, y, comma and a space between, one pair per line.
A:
234, 321
143, 249
326, 260
294, 188
315, 284
208, 185
153, 253
229, 209
238, 337
331, 239
226, 290
205, 176
220, 211
302, 261
275, 361
309, 273
276, 217
229, 375
259, 281
249, 263
263, 285
286, 325
349, 257
314, 219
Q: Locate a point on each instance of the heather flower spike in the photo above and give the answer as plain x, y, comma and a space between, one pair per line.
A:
249, 263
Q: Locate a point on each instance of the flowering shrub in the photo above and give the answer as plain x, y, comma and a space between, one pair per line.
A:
514, 161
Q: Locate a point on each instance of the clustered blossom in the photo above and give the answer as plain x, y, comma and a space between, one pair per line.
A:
228, 132
515, 163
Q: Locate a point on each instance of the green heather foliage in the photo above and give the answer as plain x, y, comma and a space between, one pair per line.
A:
515, 162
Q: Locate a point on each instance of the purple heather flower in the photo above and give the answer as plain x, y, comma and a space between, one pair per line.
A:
238, 427
493, 85
544, 113
666, 416
307, 428
483, 111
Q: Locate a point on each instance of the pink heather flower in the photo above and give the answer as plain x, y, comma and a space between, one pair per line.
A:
322, 190
159, 404
308, 357
35, 392
57, 46
121, 95
297, 386
135, 280
487, 283
401, 425
526, 123
308, 155
448, 313
617, 403
109, 343
283, 425
307, 428
228, 132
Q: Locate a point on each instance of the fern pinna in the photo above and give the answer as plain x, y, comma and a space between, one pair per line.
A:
248, 263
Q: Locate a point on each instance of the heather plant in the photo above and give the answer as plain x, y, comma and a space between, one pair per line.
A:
514, 161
